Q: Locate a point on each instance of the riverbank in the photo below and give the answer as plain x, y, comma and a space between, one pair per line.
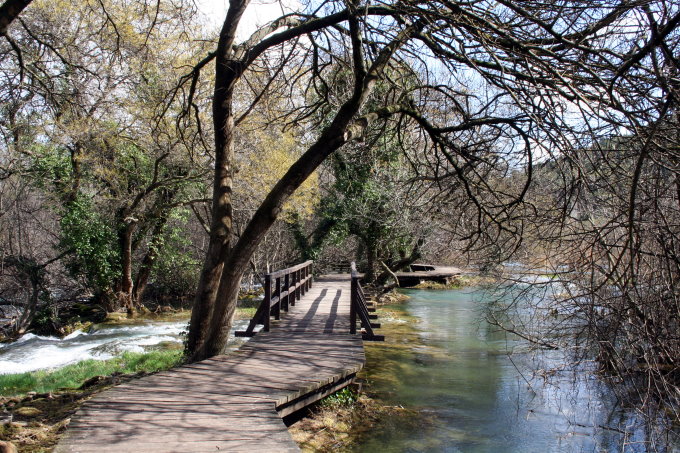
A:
459, 282
338, 423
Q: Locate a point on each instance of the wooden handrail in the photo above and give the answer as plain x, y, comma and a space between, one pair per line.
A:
359, 308
291, 269
281, 289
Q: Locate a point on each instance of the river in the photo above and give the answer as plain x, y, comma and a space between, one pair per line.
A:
100, 342
476, 389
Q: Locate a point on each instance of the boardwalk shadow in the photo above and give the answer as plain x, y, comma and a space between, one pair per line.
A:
304, 322
333, 315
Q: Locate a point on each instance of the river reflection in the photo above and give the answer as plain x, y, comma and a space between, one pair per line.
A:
455, 370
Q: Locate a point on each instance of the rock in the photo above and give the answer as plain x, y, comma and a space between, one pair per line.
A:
96, 380
5, 418
7, 447
28, 411
116, 316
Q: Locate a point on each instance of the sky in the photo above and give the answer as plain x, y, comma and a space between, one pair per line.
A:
258, 13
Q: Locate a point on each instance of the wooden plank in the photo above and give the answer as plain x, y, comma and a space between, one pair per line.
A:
275, 444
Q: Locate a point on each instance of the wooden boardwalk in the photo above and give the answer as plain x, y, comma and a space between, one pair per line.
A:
427, 273
234, 402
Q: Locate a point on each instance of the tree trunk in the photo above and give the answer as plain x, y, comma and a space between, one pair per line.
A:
147, 265
165, 198
209, 328
126, 282
28, 271
29, 310
401, 264
226, 75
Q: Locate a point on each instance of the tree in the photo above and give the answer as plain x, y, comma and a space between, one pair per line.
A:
84, 96
495, 78
603, 215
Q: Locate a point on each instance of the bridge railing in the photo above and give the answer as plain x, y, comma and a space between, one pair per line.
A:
281, 290
359, 309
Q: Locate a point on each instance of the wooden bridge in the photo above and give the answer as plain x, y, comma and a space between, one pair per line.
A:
236, 402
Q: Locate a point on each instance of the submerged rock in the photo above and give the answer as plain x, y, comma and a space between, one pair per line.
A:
7, 447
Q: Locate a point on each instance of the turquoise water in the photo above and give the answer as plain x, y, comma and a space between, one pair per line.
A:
471, 394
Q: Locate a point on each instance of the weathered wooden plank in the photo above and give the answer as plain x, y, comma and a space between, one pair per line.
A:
275, 444
105, 414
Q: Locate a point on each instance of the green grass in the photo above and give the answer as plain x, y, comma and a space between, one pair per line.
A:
344, 397
247, 307
72, 376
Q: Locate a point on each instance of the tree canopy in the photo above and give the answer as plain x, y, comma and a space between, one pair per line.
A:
511, 127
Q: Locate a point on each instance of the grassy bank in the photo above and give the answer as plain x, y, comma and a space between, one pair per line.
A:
73, 376
341, 420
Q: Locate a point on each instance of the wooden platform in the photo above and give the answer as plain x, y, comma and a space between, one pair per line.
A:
427, 273
231, 403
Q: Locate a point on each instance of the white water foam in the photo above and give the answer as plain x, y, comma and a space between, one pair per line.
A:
32, 352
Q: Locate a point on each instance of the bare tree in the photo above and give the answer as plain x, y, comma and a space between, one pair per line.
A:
603, 214
490, 77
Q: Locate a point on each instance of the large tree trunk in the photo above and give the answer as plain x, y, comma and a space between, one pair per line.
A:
226, 76
213, 330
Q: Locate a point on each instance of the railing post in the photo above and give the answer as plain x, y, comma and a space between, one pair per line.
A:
353, 304
267, 301
282, 287
297, 283
303, 279
277, 310
287, 285
311, 274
